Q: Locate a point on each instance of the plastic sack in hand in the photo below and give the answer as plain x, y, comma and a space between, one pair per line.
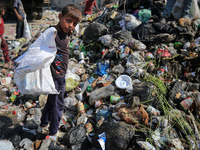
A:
40, 54
33, 74
26, 31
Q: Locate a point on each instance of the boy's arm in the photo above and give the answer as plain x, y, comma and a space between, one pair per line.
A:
81, 3
95, 4
17, 14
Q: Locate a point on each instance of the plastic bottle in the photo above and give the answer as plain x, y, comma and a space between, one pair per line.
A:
101, 93
73, 43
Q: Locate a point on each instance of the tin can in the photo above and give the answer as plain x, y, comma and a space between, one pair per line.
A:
89, 128
28, 105
97, 104
153, 111
114, 99
81, 56
187, 103
113, 15
80, 107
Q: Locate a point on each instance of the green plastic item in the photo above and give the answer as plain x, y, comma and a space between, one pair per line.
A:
144, 15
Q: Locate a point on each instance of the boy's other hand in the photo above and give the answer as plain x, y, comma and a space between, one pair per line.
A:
19, 17
81, 3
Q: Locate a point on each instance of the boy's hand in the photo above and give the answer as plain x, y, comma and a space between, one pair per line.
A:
19, 17
81, 3
70, 33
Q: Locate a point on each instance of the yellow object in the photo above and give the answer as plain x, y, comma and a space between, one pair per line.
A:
70, 84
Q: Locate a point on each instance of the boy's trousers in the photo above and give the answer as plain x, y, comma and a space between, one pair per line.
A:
53, 110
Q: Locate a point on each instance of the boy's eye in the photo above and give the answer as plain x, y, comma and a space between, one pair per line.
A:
68, 21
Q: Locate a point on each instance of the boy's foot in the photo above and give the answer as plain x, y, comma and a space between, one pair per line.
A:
43, 130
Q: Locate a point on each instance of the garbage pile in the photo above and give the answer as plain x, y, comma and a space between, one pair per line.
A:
132, 83
50, 14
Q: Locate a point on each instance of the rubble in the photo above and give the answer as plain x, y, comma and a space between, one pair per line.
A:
132, 83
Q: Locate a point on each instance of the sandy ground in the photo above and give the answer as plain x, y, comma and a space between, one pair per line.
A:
10, 27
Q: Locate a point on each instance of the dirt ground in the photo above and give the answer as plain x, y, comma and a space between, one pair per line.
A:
10, 27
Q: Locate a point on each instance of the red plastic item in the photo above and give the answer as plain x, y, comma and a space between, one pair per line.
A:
164, 53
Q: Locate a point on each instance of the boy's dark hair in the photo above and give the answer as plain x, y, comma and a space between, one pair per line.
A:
1, 10
72, 11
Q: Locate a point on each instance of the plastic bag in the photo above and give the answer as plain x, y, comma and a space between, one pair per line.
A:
131, 22
40, 54
33, 74
70, 84
5, 144
144, 15
26, 32
194, 11
177, 9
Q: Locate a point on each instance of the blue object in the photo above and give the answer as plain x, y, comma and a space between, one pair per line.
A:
101, 68
103, 113
91, 79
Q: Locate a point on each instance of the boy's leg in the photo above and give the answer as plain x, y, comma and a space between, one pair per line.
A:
19, 32
53, 110
46, 112
4, 47
168, 8
22, 28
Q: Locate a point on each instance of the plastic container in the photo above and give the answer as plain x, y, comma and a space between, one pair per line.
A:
123, 82
101, 93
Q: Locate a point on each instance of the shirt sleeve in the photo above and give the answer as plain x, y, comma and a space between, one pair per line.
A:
15, 3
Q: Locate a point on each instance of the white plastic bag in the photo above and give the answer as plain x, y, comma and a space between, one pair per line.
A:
26, 31
131, 22
40, 54
194, 11
33, 75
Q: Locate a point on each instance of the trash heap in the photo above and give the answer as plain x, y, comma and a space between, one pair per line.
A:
50, 14
132, 83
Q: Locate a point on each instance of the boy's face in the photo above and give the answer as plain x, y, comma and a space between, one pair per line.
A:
67, 23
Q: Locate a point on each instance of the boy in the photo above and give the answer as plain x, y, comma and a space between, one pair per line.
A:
20, 13
89, 6
3, 44
53, 110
